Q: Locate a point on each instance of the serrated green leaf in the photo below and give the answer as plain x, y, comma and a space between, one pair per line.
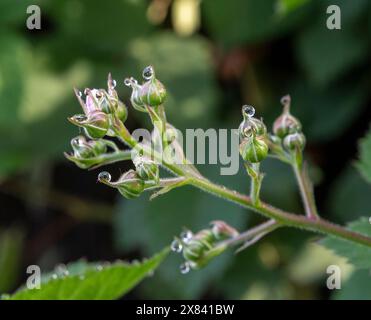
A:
364, 163
92, 281
358, 255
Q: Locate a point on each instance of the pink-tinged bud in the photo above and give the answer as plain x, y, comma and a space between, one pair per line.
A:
92, 100
96, 124
222, 230
286, 123
294, 141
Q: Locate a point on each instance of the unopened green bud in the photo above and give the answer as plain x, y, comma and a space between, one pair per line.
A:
254, 149
152, 92
130, 185
95, 124
251, 126
194, 250
81, 148
286, 123
135, 97
85, 152
146, 168
294, 141
121, 111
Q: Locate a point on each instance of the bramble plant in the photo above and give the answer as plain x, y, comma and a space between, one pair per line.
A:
105, 115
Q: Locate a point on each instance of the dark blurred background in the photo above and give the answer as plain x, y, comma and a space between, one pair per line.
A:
213, 56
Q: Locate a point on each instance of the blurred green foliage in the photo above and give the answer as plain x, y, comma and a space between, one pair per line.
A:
246, 51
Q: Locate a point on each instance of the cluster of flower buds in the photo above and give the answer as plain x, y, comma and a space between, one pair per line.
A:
198, 249
151, 93
132, 183
287, 129
253, 135
100, 108
85, 152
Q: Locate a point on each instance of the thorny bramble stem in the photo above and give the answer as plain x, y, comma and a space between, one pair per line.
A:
250, 235
282, 217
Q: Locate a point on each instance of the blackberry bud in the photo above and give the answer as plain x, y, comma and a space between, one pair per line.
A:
81, 148
96, 125
254, 150
286, 123
121, 111
146, 168
250, 126
153, 92
98, 146
294, 141
135, 97
85, 152
194, 250
129, 184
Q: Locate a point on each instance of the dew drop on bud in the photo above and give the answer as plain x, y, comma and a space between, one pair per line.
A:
285, 100
114, 83
127, 82
80, 118
148, 73
176, 246
186, 236
75, 141
184, 268
248, 110
79, 93
104, 176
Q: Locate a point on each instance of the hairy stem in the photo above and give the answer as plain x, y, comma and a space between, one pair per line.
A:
306, 191
261, 229
282, 217
112, 157
255, 182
